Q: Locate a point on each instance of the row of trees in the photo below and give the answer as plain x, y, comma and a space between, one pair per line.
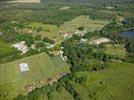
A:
52, 15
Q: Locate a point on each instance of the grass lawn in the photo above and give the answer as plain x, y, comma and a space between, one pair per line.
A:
117, 83
41, 66
90, 25
45, 27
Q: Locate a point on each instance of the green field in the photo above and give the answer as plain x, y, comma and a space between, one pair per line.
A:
41, 68
47, 30
116, 50
117, 83
90, 25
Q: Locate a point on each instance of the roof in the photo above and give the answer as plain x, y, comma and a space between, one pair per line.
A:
24, 67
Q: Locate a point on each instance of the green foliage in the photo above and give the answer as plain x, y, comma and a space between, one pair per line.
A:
40, 44
37, 37
81, 28
47, 40
27, 38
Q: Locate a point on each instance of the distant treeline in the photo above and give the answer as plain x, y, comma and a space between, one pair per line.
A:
87, 2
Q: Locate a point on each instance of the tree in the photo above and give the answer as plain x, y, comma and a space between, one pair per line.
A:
81, 28
47, 40
40, 44
37, 37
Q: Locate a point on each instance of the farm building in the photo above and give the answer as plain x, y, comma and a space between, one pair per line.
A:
21, 46
1, 33
83, 40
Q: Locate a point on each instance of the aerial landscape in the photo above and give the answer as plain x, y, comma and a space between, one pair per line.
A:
66, 50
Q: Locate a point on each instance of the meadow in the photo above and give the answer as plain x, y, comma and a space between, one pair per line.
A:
113, 83
108, 84
85, 21
41, 68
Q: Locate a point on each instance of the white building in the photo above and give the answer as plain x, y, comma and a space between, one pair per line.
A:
83, 40
24, 67
21, 46
24, 1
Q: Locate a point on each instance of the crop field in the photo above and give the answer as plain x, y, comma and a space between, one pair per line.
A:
114, 83
90, 25
41, 68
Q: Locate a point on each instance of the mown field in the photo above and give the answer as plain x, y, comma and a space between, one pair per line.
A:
41, 68
114, 83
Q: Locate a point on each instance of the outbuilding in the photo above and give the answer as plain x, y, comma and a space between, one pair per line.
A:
24, 67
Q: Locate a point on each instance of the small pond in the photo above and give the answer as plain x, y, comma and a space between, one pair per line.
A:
128, 34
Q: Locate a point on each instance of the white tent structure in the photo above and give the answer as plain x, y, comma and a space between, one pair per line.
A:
24, 67
24, 1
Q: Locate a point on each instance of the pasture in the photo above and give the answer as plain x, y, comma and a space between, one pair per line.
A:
41, 67
90, 25
47, 30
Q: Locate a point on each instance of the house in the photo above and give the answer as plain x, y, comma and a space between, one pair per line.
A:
55, 53
24, 67
21, 46
1, 33
80, 33
99, 41
83, 40
66, 35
